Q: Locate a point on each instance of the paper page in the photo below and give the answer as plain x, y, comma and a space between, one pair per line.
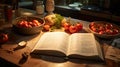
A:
82, 44
53, 41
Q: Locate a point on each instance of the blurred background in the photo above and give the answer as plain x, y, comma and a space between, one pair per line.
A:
74, 8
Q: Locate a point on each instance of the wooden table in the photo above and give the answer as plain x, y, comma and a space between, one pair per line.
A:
45, 61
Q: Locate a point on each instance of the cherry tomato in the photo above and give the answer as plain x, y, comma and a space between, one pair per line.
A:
109, 31
109, 26
101, 28
29, 26
115, 31
93, 28
21, 23
101, 32
92, 24
35, 21
30, 23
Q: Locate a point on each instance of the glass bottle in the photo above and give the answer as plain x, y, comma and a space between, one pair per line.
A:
50, 6
40, 7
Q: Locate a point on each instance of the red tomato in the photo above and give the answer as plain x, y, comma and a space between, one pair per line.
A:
34, 24
35, 21
26, 25
93, 28
38, 24
79, 26
109, 31
3, 38
101, 28
46, 27
30, 23
92, 24
21, 23
66, 26
109, 26
29, 26
101, 32
72, 29
115, 31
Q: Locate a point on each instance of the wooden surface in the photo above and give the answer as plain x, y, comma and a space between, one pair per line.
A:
48, 61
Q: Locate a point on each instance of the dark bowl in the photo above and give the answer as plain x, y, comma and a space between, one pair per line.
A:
107, 36
28, 30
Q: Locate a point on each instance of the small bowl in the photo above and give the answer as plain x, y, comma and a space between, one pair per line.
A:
28, 30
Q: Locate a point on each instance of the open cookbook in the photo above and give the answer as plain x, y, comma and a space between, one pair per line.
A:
61, 44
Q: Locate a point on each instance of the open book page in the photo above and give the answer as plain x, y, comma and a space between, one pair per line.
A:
52, 42
82, 44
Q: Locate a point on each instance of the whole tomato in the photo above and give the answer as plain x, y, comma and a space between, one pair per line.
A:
95, 29
3, 38
72, 29
46, 27
23, 23
109, 26
66, 26
35, 21
26, 25
79, 26
115, 31
101, 28
109, 31
101, 32
92, 24
20, 23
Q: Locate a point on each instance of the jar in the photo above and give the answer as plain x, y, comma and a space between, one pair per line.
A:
2, 18
40, 7
50, 6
